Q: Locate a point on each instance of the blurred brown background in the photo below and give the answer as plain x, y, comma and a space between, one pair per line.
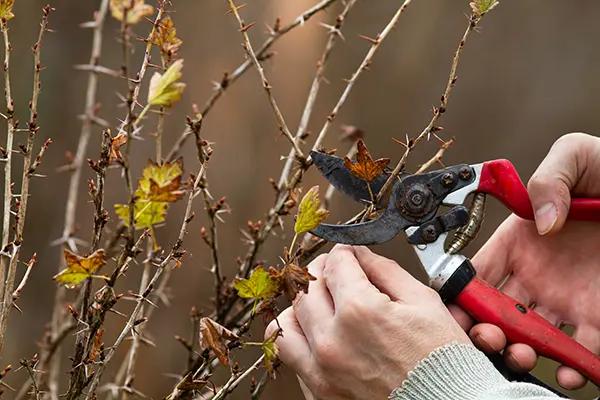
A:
529, 76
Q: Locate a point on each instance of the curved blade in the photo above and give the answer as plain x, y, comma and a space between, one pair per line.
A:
341, 178
380, 230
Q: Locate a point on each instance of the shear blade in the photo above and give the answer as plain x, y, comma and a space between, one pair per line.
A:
333, 169
377, 231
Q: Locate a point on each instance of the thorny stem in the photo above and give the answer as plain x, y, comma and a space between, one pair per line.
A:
334, 34
437, 157
11, 125
235, 380
73, 191
437, 111
230, 78
131, 322
9, 283
265, 83
364, 65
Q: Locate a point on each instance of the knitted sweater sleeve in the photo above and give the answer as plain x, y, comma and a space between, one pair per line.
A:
460, 371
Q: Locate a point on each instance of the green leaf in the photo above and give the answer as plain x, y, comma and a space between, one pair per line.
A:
259, 286
310, 213
147, 213
481, 7
165, 89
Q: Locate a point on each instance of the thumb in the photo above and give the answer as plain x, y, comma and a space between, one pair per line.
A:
550, 186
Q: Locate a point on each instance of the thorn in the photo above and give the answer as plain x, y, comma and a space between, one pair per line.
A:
370, 39
246, 28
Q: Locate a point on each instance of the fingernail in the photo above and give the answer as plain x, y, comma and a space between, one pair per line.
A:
545, 218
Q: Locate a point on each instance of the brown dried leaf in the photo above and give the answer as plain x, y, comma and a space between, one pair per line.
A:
292, 279
165, 37
215, 337
115, 147
97, 346
365, 167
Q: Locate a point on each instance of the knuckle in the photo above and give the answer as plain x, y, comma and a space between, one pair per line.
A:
326, 353
271, 329
353, 310
572, 138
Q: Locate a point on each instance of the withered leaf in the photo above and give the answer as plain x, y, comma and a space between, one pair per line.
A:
97, 346
6, 7
80, 268
292, 279
161, 182
135, 9
215, 337
115, 147
165, 37
310, 213
365, 167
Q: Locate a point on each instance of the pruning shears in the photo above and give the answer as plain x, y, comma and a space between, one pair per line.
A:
413, 207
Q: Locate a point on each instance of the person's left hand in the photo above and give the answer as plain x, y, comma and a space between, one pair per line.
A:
362, 326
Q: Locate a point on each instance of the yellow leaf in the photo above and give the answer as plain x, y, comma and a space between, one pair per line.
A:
271, 351
310, 213
147, 213
165, 89
161, 183
6, 7
136, 10
259, 286
481, 7
165, 37
80, 268
365, 167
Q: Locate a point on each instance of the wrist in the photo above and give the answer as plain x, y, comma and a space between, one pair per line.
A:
453, 371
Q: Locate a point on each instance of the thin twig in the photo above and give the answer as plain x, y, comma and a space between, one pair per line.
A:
235, 380
265, 83
230, 78
334, 34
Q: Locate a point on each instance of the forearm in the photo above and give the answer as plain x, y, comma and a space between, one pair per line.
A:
460, 371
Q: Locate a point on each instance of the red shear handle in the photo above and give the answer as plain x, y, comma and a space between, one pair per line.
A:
520, 324
500, 179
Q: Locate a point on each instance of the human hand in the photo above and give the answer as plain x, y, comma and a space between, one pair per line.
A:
553, 266
362, 326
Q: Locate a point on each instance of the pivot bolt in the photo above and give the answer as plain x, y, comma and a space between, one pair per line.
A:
429, 233
465, 173
448, 179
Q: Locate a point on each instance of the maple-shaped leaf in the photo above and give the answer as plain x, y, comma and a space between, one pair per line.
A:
161, 182
259, 286
481, 7
292, 279
136, 10
215, 337
6, 7
115, 147
365, 167
271, 351
165, 37
146, 213
166, 89
80, 268
310, 213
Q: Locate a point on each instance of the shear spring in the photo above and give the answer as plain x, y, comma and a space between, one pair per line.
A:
464, 235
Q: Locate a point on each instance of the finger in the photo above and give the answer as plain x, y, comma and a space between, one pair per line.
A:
314, 308
293, 346
387, 275
564, 168
488, 338
513, 288
520, 357
589, 337
343, 275
464, 320
493, 260
548, 315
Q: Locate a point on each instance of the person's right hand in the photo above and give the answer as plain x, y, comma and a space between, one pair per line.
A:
550, 265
